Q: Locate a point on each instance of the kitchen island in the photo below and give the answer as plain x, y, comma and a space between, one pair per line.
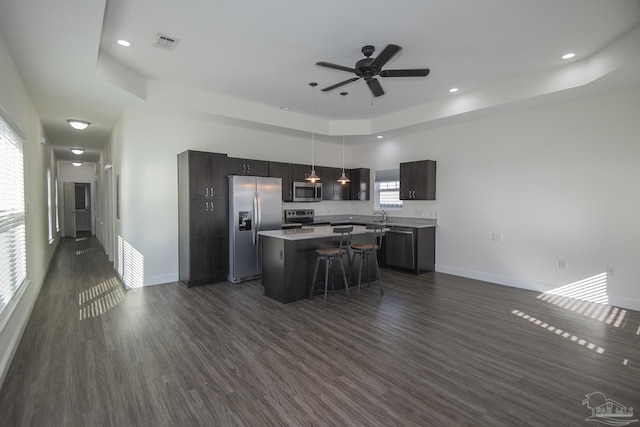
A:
288, 259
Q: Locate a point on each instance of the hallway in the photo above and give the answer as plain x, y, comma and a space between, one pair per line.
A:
435, 350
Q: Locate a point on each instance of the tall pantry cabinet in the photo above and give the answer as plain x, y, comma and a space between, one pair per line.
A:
202, 218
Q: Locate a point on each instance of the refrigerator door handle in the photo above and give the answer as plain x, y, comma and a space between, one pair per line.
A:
259, 213
254, 233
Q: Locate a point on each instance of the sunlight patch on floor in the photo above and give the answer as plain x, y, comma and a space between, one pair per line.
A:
99, 299
84, 251
559, 332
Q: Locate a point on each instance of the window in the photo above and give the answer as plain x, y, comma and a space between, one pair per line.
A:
388, 189
12, 213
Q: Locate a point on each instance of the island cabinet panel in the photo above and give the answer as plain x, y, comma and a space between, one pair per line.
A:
360, 185
287, 266
418, 180
237, 166
202, 218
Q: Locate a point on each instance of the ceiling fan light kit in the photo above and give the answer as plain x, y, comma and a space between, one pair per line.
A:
370, 68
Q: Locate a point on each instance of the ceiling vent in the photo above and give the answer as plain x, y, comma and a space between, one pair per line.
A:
165, 42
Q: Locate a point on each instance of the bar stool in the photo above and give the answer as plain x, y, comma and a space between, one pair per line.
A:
365, 251
331, 255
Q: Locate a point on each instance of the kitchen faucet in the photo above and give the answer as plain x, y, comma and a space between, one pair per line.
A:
383, 213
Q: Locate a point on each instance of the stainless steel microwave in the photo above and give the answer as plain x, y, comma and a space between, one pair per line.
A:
307, 191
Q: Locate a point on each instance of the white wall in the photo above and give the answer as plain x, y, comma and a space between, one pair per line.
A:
15, 100
559, 182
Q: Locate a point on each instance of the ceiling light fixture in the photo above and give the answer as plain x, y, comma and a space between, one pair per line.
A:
124, 43
312, 176
76, 163
77, 151
343, 178
78, 124
568, 55
379, 136
453, 90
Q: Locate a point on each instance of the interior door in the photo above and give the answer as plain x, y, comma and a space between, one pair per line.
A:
70, 209
83, 207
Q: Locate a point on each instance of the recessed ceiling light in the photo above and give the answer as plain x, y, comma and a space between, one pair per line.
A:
379, 137
568, 55
77, 151
76, 163
453, 90
78, 124
124, 43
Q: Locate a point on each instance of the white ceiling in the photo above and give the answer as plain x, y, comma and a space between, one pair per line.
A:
259, 56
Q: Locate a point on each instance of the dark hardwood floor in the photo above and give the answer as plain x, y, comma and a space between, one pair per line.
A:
436, 350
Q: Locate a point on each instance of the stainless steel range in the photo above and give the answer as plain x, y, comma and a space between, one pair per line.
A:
305, 217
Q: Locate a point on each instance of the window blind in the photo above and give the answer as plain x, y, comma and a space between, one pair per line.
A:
12, 213
388, 188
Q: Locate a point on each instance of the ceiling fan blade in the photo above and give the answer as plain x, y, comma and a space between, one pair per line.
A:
386, 55
418, 72
374, 86
336, 66
326, 89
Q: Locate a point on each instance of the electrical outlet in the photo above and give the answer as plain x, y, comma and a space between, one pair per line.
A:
610, 271
562, 264
497, 237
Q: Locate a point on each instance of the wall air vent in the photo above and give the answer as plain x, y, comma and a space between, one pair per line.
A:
165, 42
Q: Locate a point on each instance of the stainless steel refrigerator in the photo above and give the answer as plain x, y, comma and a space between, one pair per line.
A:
255, 204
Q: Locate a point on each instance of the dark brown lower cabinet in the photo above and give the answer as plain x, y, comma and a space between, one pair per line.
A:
207, 261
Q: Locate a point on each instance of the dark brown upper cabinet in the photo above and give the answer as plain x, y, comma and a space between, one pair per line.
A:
418, 180
360, 185
237, 166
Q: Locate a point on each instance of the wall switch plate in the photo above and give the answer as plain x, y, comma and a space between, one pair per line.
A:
562, 264
497, 237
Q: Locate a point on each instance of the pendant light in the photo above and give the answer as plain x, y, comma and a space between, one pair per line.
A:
312, 176
343, 179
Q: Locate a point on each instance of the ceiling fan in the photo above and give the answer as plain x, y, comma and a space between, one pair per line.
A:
368, 68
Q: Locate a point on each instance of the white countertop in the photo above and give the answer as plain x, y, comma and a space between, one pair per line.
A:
309, 233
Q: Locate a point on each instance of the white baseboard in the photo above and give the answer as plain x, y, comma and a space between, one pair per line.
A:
627, 303
160, 280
